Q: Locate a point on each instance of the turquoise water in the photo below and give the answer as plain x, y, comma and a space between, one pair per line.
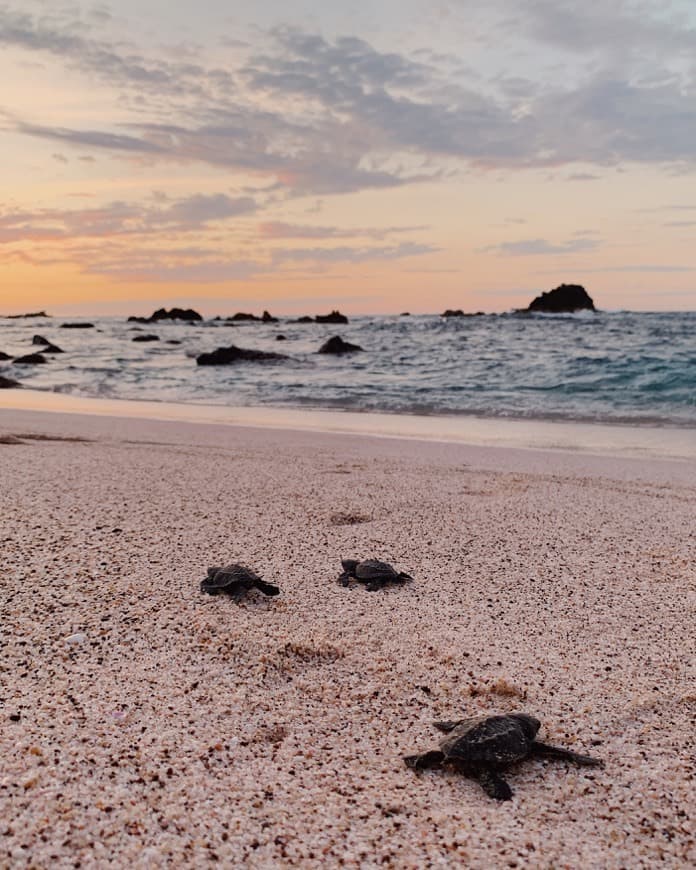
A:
605, 367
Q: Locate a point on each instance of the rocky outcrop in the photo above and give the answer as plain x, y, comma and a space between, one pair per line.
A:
337, 345
31, 314
563, 300
334, 317
227, 355
77, 326
281, 337
187, 314
146, 337
4, 355
29, 359
303, 319
8, 383
453, 312
268, 318
48, 347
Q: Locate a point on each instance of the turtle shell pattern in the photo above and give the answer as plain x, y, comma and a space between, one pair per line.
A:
489, 741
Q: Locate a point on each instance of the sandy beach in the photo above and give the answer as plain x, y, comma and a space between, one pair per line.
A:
147, 724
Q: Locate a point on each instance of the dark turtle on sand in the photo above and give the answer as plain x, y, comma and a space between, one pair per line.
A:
373, 573
235, 580
484, 746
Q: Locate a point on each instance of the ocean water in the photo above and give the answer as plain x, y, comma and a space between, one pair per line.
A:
612, 367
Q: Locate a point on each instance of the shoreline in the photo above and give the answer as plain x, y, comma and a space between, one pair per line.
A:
649, 441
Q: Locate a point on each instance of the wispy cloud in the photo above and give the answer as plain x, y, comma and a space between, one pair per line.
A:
536, 247
320, 116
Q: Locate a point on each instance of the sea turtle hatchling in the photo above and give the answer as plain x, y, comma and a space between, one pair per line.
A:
373, 573
235, 580
484, 746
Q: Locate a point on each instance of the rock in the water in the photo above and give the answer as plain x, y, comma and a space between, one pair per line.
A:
304, 319
268, 318
232, 354
405, 314
146, 337
281, 337
30, 359
338, 345
4, 355
48, 347
564, 299
77, 326
31, 314
334, 317
172, 341
8, 383
187, 314
453, 312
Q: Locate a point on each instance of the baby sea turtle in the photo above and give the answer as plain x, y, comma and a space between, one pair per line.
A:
373, 573
235, 580
485, 745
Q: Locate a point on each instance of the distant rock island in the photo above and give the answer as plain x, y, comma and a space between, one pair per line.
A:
563, 300
31, 314
187, 314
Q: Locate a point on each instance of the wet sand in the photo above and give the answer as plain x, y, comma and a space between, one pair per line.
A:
144, 723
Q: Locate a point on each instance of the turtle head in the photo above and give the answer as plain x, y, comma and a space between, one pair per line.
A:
529, 724
349, 566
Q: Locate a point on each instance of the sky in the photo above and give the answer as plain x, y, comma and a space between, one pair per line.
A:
375, 157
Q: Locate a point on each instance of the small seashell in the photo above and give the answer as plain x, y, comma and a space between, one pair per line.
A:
76, 638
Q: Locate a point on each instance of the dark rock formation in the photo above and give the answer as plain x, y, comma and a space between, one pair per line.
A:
281, 337
187, 314
77, 326
304, 319
8, 383
334, 317
29, 360
4, 355
172, 341
564, 299
453, 312
146, 337
338, 345
48, 347
405, 314
232, 354
267, 318
32, 314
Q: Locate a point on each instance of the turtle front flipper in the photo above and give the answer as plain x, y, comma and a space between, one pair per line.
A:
403, 577
344, 579
213, 571
448, 725
494, 785
425, 761
547, 751
266, 588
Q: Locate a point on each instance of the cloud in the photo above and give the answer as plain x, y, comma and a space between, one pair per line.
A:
282, 230
537, 247
346, 254
315, 116
120, 218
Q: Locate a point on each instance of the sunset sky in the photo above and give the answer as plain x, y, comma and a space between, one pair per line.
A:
373, 156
